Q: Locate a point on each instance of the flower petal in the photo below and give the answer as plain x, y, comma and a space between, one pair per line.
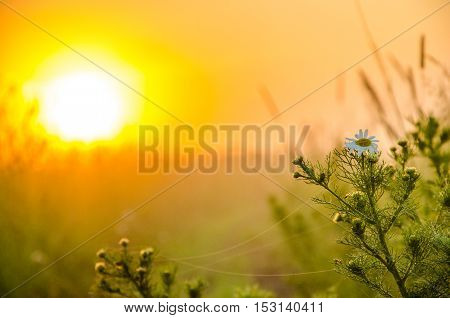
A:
351, 145
373, 148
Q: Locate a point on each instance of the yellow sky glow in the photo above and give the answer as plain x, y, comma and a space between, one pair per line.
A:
205, 63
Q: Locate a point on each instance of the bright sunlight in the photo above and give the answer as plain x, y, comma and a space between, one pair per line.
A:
82, 106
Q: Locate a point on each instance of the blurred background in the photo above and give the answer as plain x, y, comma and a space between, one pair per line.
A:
65, 175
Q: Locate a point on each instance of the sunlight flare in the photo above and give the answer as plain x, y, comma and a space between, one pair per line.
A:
82, 106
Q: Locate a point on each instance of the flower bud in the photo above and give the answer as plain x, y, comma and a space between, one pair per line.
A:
355, 269
445, 198
101, 253
337, 261
432, 127
358, 200
402, 143
167, 277
321, 177
100, 267
412, 173
195, 288
337, 217
124, 242
298, 161
414, 244
421, 144
103, 284
372, 158
120, 265
358, 227
445, 135
147, 253
390, 170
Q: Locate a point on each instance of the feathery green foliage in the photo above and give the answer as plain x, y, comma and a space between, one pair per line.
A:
394, 248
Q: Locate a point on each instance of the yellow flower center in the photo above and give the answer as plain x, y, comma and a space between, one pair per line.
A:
363, 142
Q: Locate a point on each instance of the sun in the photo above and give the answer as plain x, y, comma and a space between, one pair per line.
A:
82, 106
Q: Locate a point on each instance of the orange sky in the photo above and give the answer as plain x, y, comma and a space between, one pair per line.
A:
204, 60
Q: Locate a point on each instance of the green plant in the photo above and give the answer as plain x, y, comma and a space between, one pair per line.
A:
124, 273
195, 288
391, 243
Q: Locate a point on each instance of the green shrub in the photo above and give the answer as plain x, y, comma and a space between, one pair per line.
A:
125, 273
397, 237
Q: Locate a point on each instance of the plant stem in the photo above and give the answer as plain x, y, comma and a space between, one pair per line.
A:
390, 263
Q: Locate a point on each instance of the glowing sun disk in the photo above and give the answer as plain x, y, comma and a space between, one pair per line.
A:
82, 106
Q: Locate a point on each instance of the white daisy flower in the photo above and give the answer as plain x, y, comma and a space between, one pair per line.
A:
362, 143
